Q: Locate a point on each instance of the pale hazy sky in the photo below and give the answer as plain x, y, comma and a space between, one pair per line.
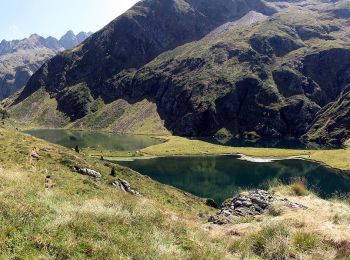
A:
21, 18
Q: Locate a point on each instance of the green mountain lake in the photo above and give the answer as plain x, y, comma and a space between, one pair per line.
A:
217, 177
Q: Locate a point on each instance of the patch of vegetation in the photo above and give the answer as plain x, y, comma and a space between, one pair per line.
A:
37, 111
223, 134
122, 117
299, 187
113, 172
261, 240
303, 241
276, 209
4, 114
76, 101
270, 242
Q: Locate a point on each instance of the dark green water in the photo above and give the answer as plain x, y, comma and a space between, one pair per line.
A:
221, 177
285, 143
96, 140
209, 177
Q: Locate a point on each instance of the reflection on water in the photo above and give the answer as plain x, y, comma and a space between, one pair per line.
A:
221, 177
286, 143
209, 177
97, 140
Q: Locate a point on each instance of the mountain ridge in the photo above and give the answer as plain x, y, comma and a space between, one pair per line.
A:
19, 59
259, 78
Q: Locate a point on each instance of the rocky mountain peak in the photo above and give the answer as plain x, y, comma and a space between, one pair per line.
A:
19, 59
69, 40
82, 36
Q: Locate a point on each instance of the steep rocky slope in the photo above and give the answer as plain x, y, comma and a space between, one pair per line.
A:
20, 59
261, 68
333, 121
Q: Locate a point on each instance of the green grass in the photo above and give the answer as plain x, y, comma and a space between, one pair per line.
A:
37, 111
261, 241
304, 241
80, 218
120, 116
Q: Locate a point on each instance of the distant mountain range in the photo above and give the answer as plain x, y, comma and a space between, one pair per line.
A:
19, 59
247, 68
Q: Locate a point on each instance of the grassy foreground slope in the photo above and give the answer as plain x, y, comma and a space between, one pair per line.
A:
80, 218
175, 145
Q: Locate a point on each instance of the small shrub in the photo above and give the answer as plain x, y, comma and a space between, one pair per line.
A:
261, 240
277, 248
4, 114
211, 203
113, 172
276, 210
77, 149
299, 188
336, 219
343, 249
303, 241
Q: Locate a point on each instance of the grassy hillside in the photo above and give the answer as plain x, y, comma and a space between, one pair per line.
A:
123, 117
40, 111
78, 217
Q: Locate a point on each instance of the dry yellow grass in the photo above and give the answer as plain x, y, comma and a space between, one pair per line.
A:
314, 230
319, 217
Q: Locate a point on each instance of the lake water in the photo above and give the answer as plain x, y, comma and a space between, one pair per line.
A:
221, 177
285, 143
208, 177
95, 140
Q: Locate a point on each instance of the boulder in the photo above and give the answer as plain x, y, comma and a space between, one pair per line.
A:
88, 172
124, 186
255, 203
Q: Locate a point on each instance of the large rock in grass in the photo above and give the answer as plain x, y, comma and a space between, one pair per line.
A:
255, 203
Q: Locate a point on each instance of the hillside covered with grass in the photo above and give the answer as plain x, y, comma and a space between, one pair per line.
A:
50, 211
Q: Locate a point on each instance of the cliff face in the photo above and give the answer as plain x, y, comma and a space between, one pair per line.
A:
20, 59
248, 66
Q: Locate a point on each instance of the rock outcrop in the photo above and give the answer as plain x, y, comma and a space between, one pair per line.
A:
124, 186
255, 203
88, 172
